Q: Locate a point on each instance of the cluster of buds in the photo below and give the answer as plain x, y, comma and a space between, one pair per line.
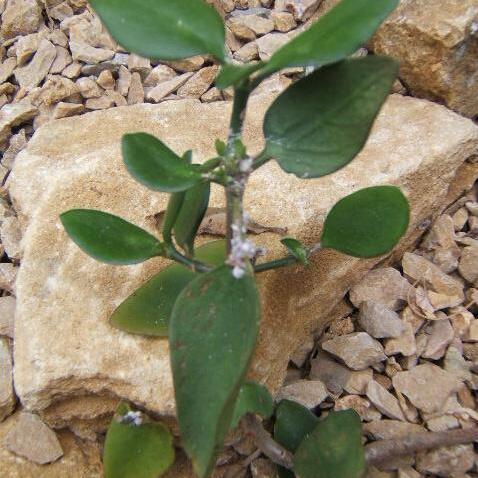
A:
131, 417
242, 249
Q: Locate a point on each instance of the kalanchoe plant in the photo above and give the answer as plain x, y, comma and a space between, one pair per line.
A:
207, 303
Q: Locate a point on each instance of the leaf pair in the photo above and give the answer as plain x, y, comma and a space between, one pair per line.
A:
327, 448
331, 39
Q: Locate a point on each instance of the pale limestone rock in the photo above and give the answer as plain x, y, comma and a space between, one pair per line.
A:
367, 412
472, 335
124, 81
408, 472
10, 236
6, 68
249, 52
81, 51
7, 397
390, 429
333, 374
301, 9
31, 438
468, 266
138, 64
101, 103
270, 43
426, 386
446, 462
460, 319
15, 114
436, 44
20, 17
54, 90
283, 21
62, 60
106, 80
136, 90
256, 24
17, 143
63, 110
384, 401
309, 393
301, 354
61, 11
384, 285
187, 65
357, 381
358, 350
31, 75
57, 37
159, 74
72, 71
460, 218
380, 321
440, 334
164, 89
456, 364
118, 99
442, 290
214, 94
7, 315
442, 423
89, 88
199, 83
68, 161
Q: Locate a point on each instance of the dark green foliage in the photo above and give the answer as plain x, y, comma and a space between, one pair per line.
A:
253, 398
368, 223
191, 214
136, 451
321, 123
109, 238
213, 332
153, 164
148, 310
334, 37
231, 74
333, 449
297, 249
163, 29
293, 423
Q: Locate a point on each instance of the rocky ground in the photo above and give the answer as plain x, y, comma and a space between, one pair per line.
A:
403, 351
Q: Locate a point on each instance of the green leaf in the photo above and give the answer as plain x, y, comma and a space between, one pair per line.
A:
334, 448
334, 37
172, 212
231, 74
297, 249
213, 331
191, 214
321, 123
162, 29
220, 147
253, 398
153, 164
293, 423
109, 238
148, 310
367, 223
136, 451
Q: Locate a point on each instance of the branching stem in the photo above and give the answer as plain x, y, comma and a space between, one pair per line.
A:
285, 261
192, 264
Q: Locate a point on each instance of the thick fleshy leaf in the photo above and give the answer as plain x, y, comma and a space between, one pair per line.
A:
213, 331
293, 423
172, 212
109, 238
321, 123
297, 249
231, 74
333, 449
148, 310
334, 37
136, 450
190, 215
153, 164
163, 29
367, 223
253, 398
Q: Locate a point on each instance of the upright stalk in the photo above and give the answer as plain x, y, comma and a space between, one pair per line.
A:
236, 227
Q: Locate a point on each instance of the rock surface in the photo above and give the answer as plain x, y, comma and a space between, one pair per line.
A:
66, 347
437, 45
7, 397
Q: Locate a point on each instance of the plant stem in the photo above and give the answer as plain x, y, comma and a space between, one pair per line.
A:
261, 159
192, 264
235, 190
376, 453
283, 262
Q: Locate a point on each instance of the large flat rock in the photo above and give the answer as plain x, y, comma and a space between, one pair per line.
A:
64, 347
